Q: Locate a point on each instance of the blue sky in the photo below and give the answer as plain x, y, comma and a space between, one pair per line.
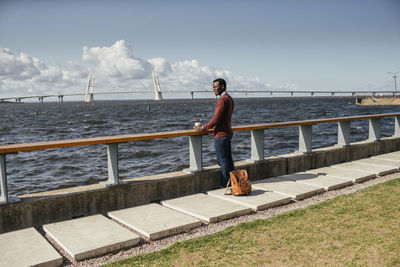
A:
288, 44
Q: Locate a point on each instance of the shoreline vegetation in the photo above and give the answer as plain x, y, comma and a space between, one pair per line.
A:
379, 101
359, 229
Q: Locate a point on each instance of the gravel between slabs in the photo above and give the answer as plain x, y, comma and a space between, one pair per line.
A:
146, 246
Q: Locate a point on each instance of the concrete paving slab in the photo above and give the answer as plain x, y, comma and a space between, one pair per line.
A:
155, 221
257, 200
289, 188
206, 208
27, 248
90, 236
379, 162
394, 154
356, 166
388, 157
356, 176
325, 181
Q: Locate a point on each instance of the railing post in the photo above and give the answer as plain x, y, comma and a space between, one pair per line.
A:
343, 133
374, 130
3, 180
396, 126
257, 145
195, 153
112, 163
305, 138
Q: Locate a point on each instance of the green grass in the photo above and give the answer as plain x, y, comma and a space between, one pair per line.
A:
361, 229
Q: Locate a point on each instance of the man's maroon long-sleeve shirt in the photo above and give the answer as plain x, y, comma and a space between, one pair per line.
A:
222, 117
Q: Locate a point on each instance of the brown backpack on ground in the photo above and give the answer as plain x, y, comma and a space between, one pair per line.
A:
240, 183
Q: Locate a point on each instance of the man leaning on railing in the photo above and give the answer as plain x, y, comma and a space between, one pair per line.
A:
221, 122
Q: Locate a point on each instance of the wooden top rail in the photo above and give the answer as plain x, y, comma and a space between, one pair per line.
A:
309, 122
6, 149
96, 141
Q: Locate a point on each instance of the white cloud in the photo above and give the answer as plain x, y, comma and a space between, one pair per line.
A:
116, 68
19, 67
161, 66
25, 75
117, 61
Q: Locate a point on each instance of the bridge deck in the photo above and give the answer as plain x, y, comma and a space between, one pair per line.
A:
270, 92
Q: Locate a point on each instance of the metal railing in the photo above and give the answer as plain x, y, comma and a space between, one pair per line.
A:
195, 143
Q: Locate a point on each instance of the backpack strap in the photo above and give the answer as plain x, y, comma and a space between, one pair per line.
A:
227, 186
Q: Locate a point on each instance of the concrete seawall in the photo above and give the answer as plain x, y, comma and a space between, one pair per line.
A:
59, 205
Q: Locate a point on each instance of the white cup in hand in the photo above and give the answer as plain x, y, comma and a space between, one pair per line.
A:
197, 126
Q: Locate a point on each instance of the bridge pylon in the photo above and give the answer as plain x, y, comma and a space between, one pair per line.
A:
157, 89
90, 89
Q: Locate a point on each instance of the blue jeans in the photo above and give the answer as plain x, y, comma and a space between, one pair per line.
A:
224, 157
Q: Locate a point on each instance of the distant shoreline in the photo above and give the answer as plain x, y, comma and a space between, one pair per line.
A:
379, 101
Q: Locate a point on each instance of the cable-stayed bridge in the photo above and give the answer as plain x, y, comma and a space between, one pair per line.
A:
89, 95
191, 94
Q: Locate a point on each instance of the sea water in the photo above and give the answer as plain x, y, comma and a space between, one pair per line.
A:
43, 170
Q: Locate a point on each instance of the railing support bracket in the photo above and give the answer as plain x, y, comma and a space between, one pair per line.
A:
112, 162
374, 130
397, 126
305, 138
4, 197
257, 145
3, 180
343, 133
195, 153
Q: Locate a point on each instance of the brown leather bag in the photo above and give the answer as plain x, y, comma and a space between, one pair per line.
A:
240, 183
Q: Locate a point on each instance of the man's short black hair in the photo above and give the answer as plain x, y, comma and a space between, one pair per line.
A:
221, 82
